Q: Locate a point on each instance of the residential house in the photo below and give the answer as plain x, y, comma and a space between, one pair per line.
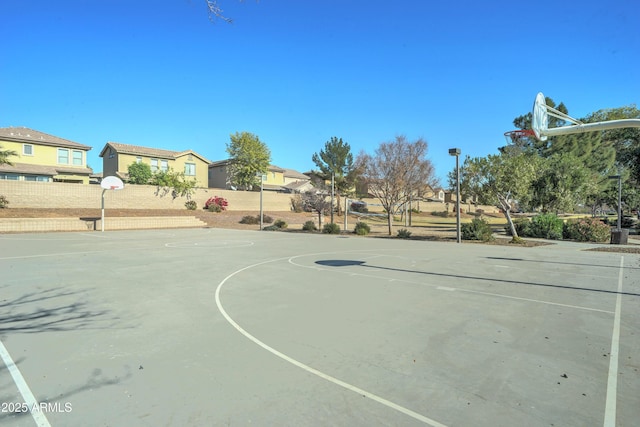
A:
117, 157
43, 157
276, 178
296, 182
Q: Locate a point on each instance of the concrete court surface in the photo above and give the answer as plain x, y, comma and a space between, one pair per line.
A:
212, 327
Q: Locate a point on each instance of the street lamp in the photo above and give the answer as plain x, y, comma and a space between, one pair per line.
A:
456, 152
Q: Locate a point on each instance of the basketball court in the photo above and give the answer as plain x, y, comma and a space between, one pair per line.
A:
219, 327
222, 327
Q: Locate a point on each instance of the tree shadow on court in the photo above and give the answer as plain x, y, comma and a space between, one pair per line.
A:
561, 262
96, 380
344, 263
54, 309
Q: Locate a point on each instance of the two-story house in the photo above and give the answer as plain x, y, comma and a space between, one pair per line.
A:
276, 178
43, 157
117, 157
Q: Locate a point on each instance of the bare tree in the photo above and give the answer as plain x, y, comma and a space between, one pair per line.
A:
216, 12
397, 170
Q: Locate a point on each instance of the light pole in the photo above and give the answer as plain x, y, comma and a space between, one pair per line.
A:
262, 178
619, 178
456, 152
332, 193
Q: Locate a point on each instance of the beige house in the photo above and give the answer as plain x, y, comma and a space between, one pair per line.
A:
43, 157
276, 178
117, 157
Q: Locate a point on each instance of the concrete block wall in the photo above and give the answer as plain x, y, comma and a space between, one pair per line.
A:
32, 225
24, 194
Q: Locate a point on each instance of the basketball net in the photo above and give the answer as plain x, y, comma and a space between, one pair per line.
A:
519, 135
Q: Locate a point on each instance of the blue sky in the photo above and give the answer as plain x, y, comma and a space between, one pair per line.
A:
295, 73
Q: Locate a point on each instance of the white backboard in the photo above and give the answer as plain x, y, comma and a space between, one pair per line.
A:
112, 183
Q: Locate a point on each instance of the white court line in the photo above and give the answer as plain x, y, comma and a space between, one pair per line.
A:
533, 300
446, 288
308, 368
612, 382
38, 416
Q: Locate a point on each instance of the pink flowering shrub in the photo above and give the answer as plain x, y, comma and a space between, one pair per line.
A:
586, 230
216, 204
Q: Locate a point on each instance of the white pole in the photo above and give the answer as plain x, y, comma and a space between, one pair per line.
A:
590, 127
102, 219
332, 192
261, 189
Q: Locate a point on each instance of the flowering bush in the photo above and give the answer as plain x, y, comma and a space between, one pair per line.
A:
586, 230
216, 204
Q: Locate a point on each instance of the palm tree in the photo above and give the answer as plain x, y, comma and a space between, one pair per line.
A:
4, 156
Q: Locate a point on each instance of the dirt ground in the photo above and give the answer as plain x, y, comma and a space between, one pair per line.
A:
231, 220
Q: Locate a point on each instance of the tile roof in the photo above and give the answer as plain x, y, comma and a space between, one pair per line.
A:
44, 170
291, 173
22, 134
137, 150
148, 151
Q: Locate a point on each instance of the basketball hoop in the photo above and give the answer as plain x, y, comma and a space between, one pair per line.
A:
519, 135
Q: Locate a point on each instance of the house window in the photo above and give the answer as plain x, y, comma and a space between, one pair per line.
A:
63, 156
9, 176
138, 159
164, 165
154, 165
190, 169
77, 158
27, 149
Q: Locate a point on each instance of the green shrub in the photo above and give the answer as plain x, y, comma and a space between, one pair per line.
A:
331, 228
214, 208
3, 202
362, 228
477, 229
546, 226
280, 224
443, 214
250, 219
309, 226
522, 226
586, 230
271, 228
191, 205
359, 206
403, 233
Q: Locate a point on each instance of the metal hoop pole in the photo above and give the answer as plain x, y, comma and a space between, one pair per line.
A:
590, 127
